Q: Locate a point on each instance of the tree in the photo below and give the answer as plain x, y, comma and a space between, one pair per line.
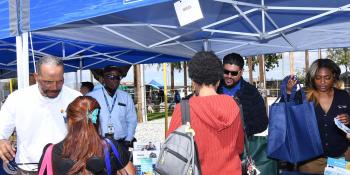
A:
174, 66
341, 56
271, 61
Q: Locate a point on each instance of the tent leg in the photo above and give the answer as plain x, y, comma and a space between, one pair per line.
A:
165, 98
143, 94
22, 60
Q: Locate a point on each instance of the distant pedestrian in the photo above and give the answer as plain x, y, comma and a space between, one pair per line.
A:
177, 97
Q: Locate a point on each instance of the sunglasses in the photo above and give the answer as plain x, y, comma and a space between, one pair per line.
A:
233, 73
113, 77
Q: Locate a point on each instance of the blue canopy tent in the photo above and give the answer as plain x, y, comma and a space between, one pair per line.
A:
79, 55
246, 27
19, 17
155, 84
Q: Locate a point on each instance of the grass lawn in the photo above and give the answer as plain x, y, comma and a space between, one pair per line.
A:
157, 115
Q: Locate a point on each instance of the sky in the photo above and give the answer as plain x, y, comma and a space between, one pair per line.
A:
155, 73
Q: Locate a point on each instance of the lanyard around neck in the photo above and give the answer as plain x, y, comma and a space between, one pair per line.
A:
110, 109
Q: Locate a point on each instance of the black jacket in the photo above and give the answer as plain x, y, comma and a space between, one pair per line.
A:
254, 110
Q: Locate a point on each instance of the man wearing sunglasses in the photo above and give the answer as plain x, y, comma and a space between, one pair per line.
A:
254, 111
117, 116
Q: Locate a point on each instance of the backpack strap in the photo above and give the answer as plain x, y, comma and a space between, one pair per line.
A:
246, 145
185, 111
47, 162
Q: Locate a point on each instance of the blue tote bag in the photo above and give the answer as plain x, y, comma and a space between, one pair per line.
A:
293, 131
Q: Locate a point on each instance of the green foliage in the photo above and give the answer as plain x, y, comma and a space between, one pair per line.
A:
301, 76
14, 85
177, 65
271, 61
341, 56
157, 115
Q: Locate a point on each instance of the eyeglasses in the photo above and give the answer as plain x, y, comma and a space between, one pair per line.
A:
233, 73
113, 77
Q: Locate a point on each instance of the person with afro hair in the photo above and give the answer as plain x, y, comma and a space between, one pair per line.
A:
214, 117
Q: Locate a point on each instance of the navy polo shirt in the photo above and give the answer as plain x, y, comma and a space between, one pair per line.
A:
333, 139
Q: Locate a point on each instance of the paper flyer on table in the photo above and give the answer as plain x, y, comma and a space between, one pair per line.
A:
145, 156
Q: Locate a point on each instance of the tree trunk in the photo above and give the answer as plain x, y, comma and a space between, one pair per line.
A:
185, 78
291, 63
307, 62
250, 69
137, 97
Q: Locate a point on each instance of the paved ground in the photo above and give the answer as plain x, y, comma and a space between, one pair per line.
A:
152, 131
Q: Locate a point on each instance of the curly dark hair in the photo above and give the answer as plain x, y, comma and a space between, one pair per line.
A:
205, 68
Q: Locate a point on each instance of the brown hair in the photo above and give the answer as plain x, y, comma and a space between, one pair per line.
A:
83, 140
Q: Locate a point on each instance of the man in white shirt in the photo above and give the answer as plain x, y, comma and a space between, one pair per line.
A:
38, 114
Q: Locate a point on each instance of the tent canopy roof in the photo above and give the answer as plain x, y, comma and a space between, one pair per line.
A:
246, 27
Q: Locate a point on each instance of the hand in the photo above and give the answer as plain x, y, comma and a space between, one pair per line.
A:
7, 152
344, 118
291, 82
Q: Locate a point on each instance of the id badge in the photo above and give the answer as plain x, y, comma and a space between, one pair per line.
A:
110, 129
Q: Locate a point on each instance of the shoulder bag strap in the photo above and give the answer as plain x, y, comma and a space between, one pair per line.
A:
185, 111
107, 157
107, 154
47, 162
246, 145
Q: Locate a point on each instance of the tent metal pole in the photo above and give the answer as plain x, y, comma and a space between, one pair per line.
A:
250, 43
22, 60
308, 19
165, 98
80, 51
263, 17
240, 3
49, 46
139, 62
125, 37
247, 19
106, 55
228, 19
92, 55
81, 70
165, 41
206, 45
178, 36
277, 27
137, 25
63, 50
305, 8
231, 48
110, 58
76, 80
143, 94
231, 32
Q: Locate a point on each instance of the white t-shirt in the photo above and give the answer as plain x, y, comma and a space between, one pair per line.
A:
38, 121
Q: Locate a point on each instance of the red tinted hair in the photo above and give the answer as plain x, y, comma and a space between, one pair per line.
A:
83, 140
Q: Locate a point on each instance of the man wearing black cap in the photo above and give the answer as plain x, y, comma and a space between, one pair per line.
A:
117, 115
